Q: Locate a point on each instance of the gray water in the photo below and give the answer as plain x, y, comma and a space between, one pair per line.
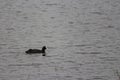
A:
82, 39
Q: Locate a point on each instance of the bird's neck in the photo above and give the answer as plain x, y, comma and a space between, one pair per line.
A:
43, 50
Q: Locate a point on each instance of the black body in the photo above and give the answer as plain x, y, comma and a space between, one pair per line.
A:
37, 51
